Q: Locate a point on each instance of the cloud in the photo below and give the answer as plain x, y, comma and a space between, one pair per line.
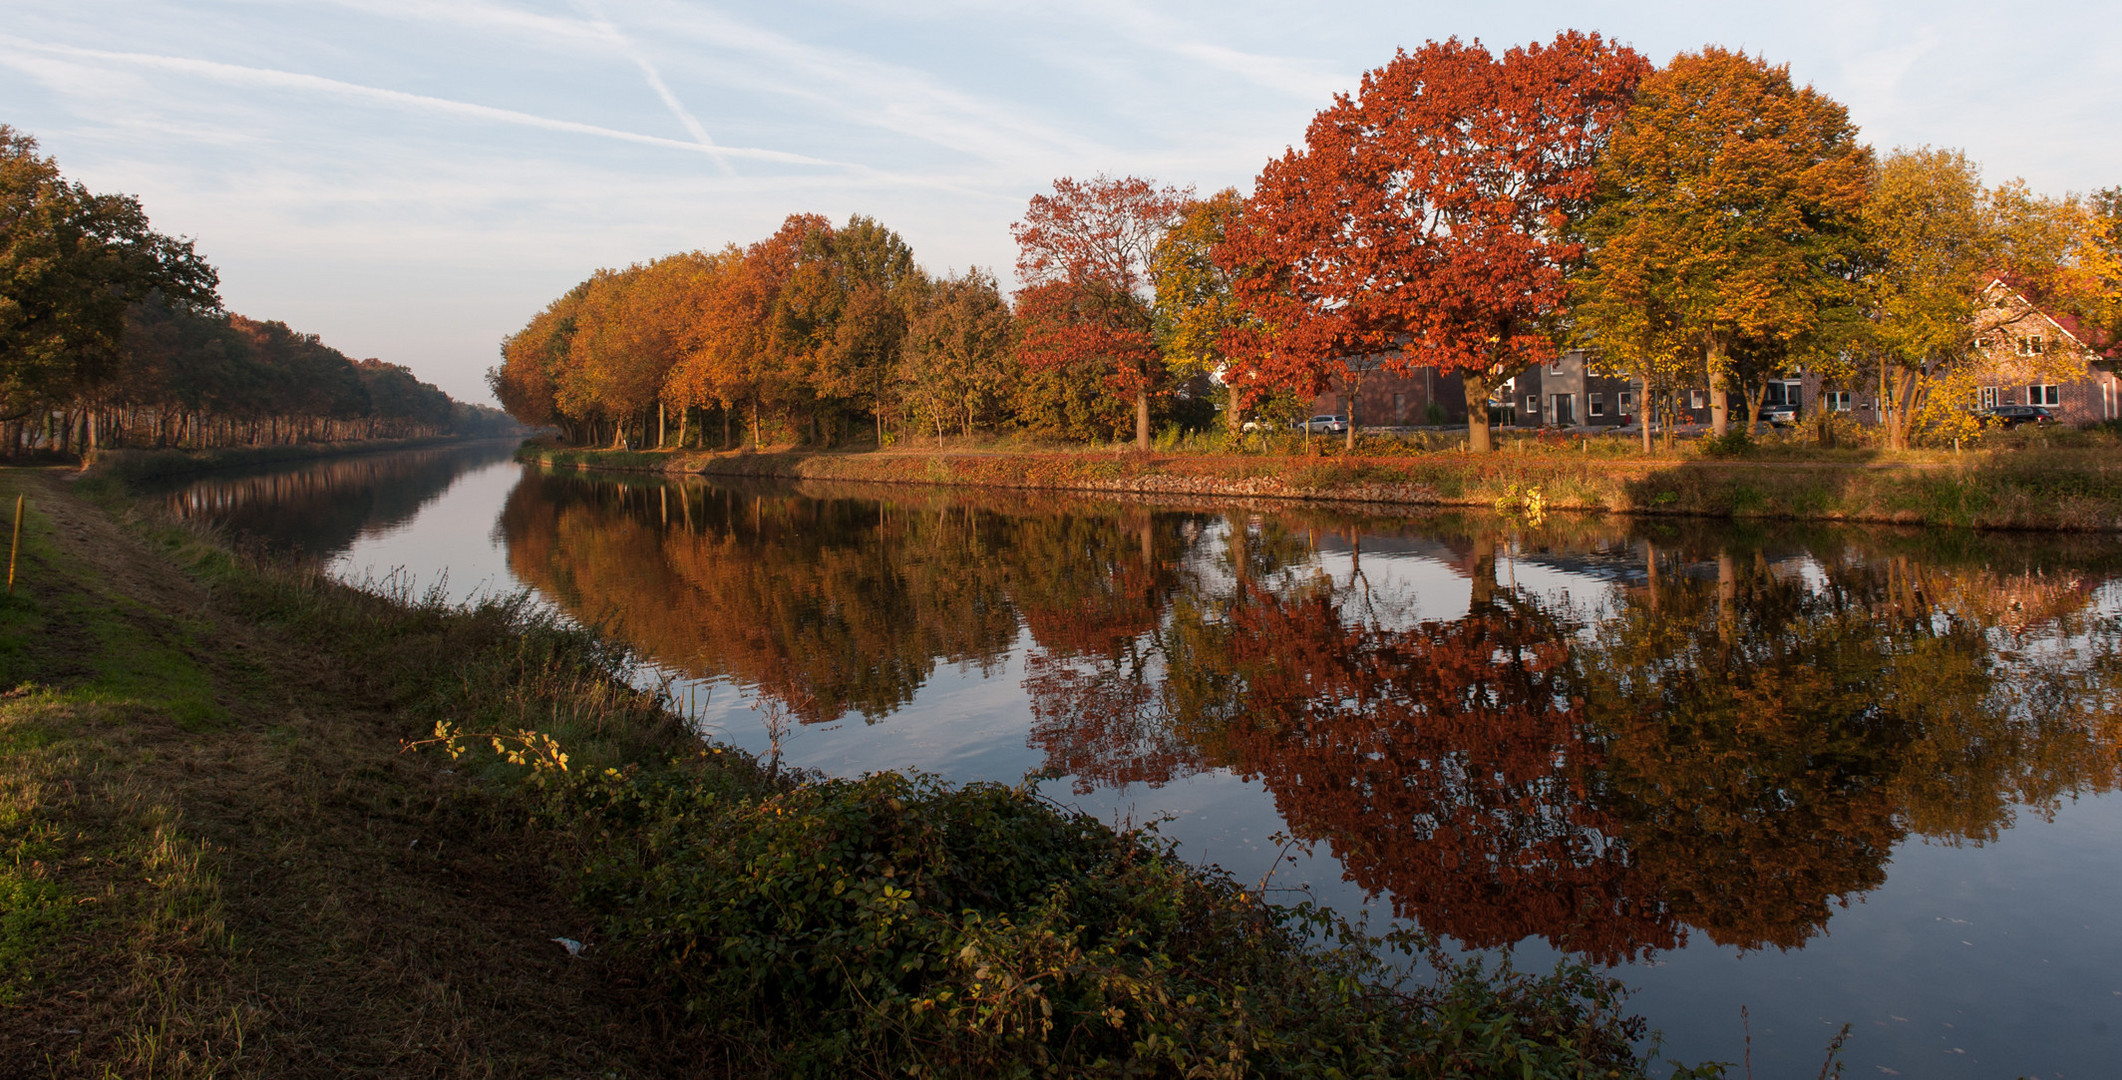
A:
317, 84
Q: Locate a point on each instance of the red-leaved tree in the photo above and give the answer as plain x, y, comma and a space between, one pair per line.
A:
1083, 266
1425, 221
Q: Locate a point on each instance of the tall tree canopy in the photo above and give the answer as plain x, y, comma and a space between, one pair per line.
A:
1196, 308
1425, 218
71, 262
1731, 212
1087, 299
1943, 238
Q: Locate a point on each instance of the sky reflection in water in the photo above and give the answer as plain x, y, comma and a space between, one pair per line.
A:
1776, 766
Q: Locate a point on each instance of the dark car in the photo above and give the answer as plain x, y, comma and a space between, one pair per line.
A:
2011, 416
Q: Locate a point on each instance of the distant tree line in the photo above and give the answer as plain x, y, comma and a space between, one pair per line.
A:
113, 334
1709, 223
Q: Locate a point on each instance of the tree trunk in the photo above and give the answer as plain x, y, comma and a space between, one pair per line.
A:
1727, 595
1483, 574
1142, 419
1644, 411
1752, 396
1477, 431
1355, 390
1901, 421
1719, 397
661, 422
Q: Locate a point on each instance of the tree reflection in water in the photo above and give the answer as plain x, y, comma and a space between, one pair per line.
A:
1730, 738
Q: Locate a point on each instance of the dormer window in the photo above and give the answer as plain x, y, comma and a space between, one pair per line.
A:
2031, 345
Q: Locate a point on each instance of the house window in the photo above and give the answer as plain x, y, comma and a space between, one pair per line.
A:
1837, 400
1556, 367
1399, 407
1532, 403
1696, 398
2030, 345
1986, 398
1598, 404
2045, 394
1626, 399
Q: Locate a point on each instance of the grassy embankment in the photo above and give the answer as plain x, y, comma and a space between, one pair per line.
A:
219, 862
2060, 481
136, 466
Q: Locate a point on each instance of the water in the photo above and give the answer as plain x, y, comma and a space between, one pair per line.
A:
1825, 775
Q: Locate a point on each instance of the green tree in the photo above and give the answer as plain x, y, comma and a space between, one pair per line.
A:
1731, 209
958, 367
71, 263
1943, 237
1195, 308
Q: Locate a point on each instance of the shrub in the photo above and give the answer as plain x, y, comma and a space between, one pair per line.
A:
897, 925
1731, 444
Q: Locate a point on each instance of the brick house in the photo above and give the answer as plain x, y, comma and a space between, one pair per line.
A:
2022, 334
1390, 399
1560, 394
1565, 394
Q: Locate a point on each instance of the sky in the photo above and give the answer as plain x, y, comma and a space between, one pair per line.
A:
414, 179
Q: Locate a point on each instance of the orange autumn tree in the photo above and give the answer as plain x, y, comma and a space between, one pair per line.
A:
1083, 257
1424, 223
1731, 213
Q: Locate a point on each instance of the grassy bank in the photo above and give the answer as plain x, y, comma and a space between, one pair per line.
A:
138, 466
2072, 483
221, 861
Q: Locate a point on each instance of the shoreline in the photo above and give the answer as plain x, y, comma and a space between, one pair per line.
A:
2076, 490
133, 466
220, 837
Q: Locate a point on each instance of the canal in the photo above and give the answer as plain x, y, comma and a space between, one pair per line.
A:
1779, 777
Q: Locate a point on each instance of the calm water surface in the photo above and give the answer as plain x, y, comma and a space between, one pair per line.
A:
1825, 775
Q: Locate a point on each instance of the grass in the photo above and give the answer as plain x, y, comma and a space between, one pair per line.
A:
220, 862
135, 466
2053, 480
217, 861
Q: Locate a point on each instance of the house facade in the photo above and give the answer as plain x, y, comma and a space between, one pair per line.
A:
2017, 365
1390, 399
2020, 347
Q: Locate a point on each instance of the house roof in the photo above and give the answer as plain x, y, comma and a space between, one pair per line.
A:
2088, 338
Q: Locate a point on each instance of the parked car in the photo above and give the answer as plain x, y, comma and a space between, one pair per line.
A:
1330, 423
1779, 415
2011, 416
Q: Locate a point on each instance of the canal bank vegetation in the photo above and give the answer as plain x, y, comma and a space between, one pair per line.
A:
2063, 480
262, 823
131, 466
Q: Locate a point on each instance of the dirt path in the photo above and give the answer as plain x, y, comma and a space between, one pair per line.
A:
238, 873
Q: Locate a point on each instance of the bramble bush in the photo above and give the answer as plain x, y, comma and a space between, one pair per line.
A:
897, 925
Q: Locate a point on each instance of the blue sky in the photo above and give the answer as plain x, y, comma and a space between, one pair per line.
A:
413, 180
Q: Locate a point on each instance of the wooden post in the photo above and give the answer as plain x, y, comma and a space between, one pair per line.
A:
14, 547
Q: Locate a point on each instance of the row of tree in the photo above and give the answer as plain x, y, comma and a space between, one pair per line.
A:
1707, 223
113, 334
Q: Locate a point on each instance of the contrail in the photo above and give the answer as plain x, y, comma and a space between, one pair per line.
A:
677, 108
255, 76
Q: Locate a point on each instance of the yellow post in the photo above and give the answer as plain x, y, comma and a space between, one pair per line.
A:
14, 547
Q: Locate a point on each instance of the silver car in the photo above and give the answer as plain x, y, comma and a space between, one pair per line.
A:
1330, 423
